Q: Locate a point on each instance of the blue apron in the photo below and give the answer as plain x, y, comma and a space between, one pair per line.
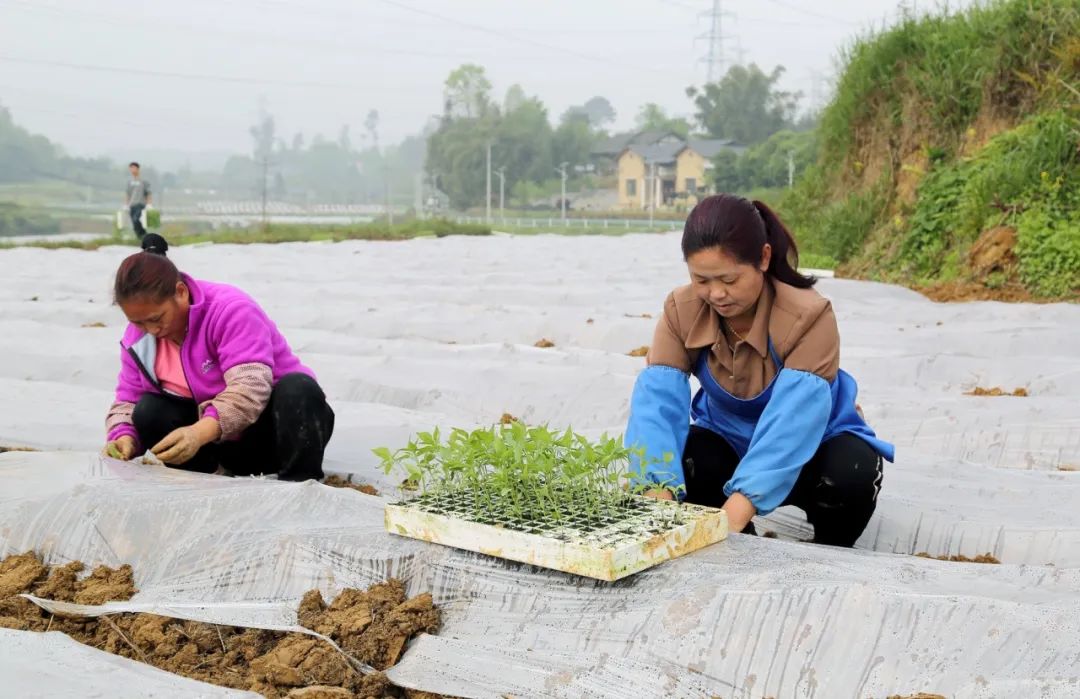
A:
735, 419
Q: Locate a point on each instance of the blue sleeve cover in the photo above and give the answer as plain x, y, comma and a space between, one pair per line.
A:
786, 437
659, 423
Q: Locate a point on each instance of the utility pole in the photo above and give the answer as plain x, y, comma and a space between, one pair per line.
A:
652, 194
790, 169
265, 187
487, 200
386, 180
418, 194
501, 172
562, 171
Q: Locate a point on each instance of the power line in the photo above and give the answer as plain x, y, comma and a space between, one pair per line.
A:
513, 37
754, 20
169, 74
811, 13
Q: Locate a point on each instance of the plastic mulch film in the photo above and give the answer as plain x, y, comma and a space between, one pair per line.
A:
748, 617
51, 665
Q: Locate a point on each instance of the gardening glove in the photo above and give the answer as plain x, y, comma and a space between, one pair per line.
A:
122, 448
179, 446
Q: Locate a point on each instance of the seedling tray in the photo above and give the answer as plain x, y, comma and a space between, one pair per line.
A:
643, 533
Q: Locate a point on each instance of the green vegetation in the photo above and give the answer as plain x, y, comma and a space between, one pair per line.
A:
285, 233
519, 476
17, 220
946, 129
764, 166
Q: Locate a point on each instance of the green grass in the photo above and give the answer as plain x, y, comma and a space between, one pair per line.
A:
905, 182
944, 69
176, 234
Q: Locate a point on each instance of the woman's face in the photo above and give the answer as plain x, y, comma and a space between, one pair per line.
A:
165, 319
731, 288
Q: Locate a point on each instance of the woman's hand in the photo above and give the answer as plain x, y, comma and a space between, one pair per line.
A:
739, 512
659, 494
180, 445
122, 448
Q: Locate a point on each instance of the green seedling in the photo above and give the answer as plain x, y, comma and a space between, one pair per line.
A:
521, 477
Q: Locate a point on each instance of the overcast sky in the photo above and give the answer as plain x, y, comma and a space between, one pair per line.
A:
117, 76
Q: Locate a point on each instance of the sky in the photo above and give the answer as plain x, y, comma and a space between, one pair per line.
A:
190, 77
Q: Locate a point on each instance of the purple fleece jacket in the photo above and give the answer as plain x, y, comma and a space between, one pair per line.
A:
226, 328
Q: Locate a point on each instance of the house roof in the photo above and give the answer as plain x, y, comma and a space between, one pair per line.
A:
709, 147
659, 153
616, 144
665, 153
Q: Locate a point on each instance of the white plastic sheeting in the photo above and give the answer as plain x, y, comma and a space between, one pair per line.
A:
746, 616
407, 336
63, 667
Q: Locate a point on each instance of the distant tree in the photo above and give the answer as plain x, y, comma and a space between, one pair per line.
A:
574, 138
745, 105
599, 111
264, 136
371, 125
468, 92
652, 116
515, 97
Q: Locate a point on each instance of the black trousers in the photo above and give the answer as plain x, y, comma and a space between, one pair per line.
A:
288, 439
136, 220
837, 488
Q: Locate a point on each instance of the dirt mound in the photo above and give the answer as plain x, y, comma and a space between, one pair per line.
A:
508, 419
5, 448
372, 625
981, 558
544, 343
962, 291
993, 251
997, 391
642, 351
339, 482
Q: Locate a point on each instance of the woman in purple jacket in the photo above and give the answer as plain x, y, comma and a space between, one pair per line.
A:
206, 380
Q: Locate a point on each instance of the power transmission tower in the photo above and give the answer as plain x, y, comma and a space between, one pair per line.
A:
714, 58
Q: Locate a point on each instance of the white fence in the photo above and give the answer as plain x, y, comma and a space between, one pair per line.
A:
630, 224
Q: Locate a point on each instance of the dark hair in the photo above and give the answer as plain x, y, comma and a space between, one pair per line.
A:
742, 227
133, 163
148, 274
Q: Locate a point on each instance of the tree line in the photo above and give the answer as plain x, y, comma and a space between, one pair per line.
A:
746, 106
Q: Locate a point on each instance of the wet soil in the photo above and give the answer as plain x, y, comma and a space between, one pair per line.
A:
981, 558
374, 626
997, 391
6, 448
339, 482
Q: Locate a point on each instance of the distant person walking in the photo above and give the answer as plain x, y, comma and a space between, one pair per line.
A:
138, 197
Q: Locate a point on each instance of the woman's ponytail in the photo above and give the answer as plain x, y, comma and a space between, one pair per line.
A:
784, 265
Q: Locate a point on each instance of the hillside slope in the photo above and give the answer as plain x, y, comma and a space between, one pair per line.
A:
949, 156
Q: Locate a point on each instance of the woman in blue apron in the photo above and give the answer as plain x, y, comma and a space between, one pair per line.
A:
775, 421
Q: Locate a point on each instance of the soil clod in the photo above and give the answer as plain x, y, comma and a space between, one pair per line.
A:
339, 482
373, 626
981, 558
639, 352
544, 343
997, 391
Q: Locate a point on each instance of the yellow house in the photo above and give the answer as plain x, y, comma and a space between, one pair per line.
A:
670, 173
